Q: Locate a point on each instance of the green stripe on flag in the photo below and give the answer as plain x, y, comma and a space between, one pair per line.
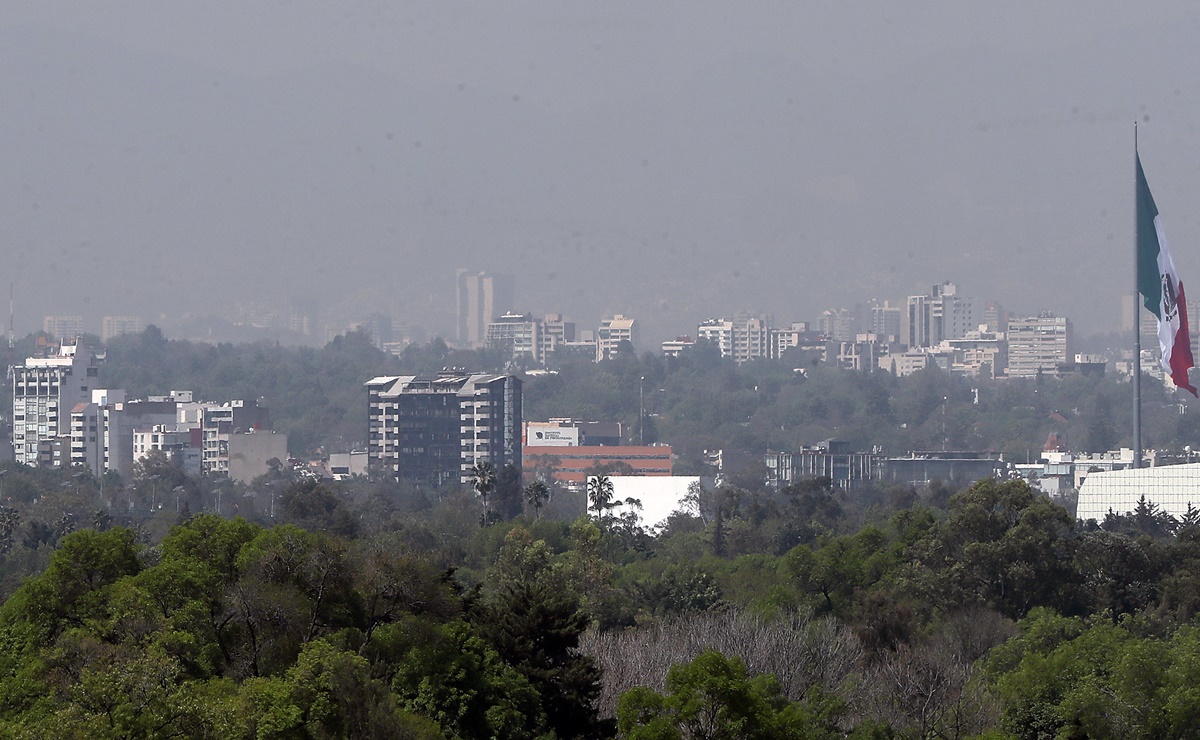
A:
1148, 278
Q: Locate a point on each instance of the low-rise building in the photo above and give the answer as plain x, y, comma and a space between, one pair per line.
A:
570, 466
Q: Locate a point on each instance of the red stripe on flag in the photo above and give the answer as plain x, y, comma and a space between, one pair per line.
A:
1181, 350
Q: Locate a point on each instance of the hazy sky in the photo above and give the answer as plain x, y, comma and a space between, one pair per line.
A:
669, 160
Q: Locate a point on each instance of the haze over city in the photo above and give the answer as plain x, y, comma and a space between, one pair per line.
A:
671, 160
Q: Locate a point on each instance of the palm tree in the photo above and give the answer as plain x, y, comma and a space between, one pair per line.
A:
483, 480
600, 493
537, 493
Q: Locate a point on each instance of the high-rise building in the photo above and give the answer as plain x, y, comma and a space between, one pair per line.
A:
524, 336
481, 299
743, 337
63, 327
519, 334
612, 332
838, 324
45, 391
114, 326
943, 314
1038, 345
434, 428
883, 320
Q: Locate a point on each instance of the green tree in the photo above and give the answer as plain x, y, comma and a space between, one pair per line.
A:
483, 480
713, 697
537, 493
535, 626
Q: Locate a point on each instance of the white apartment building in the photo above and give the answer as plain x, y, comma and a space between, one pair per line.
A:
742, 337
518, 333
1038, 345
45, 391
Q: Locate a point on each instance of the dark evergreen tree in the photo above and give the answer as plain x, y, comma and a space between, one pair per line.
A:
535, 627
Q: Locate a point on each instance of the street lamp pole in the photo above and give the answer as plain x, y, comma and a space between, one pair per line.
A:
642, 412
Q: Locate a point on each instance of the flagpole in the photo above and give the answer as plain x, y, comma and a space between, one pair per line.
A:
1137, 327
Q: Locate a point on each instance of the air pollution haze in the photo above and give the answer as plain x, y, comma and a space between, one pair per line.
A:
669, 160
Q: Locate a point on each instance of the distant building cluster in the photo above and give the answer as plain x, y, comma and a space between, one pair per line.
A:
62, 418
72, 327
943, 328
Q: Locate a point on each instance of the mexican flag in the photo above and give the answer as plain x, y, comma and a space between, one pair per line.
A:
1161, 288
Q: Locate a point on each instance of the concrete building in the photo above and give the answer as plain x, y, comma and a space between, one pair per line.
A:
115, 326
1038, 345
519, 335
943, 314
960, 467
45, 391
434, 428
251, 449
612, 332
798, 335
677, 346
838, 324
481, 299
903, 364
570, 465
883, 320
743, 337
522, 335
978, 354
63, 327
218, 427
867, 352
831, 459
183, 446
556, 333
566, 432
345, 465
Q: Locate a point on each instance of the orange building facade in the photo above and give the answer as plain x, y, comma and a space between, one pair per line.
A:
570, 465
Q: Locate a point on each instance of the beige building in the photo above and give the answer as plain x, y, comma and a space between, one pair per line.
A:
1038, 345
115, 326
612, 332
63, 327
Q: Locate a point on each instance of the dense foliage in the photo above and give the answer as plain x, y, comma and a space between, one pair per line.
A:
807, 612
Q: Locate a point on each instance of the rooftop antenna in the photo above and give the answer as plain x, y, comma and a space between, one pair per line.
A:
11, 341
